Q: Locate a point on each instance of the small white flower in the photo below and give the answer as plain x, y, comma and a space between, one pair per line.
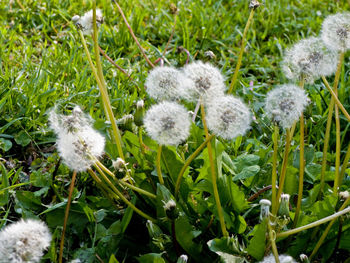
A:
85, 23
336, 31
24, 241
309, 59
282, 258
284, 104
77, 142
208, 80
168, 123
228, 117
168, 83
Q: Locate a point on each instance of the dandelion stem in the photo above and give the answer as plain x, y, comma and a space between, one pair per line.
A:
66, 214
325, 233
132, 34
344, 166
272, 237
159, 169
316, 223
132, 187
337, 150
328, 126
122, 197
274, 168
284, 168
213, 175
240, 56
188, 162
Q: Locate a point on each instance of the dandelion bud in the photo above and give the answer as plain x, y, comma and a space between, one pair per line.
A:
209, 54
254, 4
119, 164
139, 113
168, 83
173, 8
264, 209
304, 258
24, 241
284, 104
168, 123
182, 259
284, 206
126, 122
153, 229
228, 117
344, 195
75, 18
336, 31
170, 209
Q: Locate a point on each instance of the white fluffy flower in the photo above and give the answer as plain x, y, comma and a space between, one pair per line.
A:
77, 141
309, 59
208, 80
284, 104
228, 117
168, 123
336, 31
282, 258
168, 83
85, 23
24, 241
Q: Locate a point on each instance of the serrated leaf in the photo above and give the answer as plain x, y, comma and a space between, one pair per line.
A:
256, 247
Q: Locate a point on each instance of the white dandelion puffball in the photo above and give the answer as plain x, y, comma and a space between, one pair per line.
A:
308, 60
77, 142
168, 123
85, 23
24, 241
228, 117
168, 83
335, 31
284, 104
282, 258
208, 80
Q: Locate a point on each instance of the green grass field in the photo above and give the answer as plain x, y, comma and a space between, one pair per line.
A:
43, 64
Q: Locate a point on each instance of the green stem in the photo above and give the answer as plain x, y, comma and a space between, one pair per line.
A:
325, 233
132, 187
122, 197
284, 168
274, 169
159, 169
316, 223
272, 237
213, 176
240, 56
344, 166
328, 126
337, 150
188, 162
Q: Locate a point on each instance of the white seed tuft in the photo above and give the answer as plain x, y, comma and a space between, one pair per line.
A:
77, 142
24, 241
308, 60
168, 123
282, 258
85, 23
168, 83
284, 104
336, 31
228, 117
208, 80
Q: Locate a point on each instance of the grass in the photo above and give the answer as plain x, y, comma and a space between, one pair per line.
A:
42, 64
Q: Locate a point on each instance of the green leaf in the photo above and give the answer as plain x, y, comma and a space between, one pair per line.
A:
151, 258
4, 196
247, 172
127, 215
5, 145
227, 248
112, 259
172, 162
22, 138
256, 247
291, 181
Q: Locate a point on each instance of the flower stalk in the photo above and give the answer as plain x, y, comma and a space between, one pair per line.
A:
274, 169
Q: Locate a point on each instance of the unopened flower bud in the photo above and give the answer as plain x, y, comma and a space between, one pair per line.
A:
264, 209
170, 209
173, 8
119, 164
139, 113
254, 4
182, 259
75, 18
344, 195
284, 206
304, 258
126, 122
153, 229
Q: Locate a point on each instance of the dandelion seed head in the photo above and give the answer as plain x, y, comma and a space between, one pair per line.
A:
284, 104
168, 83
228, 117
308, 60
24, 241
208, 80
77, 142
85, 23
282, 258
335, 31
168, 123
